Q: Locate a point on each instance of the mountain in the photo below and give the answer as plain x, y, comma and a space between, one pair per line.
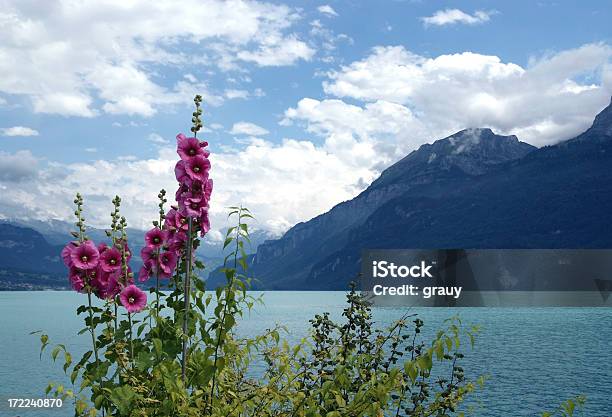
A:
28, 261
473, 189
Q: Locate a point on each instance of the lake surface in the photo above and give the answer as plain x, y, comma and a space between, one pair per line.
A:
534, 357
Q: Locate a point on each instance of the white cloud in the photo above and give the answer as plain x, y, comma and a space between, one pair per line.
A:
248, 129
18, 131
67, 56
277, 52
232, 94
156, 138
368, 138
326, 9
454, 16
16, 167
562, 91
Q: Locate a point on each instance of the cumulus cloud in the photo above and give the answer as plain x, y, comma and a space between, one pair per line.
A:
326, 9
562, 91
368, 138
455, 16
277, 52
157, 139
65, 63
248, 129
234, 93
17, 167
18, 131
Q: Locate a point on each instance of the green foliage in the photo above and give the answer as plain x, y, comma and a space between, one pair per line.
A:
349, 368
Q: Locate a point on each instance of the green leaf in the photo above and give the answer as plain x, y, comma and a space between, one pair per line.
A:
569, 407
123, 398
44, 340
439, 349
411, 369
55, 352
67, 361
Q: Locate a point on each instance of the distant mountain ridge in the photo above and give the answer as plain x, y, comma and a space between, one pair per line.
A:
473, 189
30, 252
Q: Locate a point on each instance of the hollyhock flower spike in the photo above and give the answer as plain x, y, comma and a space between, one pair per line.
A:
123, 245
110, 260
133, 299
85, 256
155, 237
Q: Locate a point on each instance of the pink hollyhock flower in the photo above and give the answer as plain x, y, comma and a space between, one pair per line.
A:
196, 188
155, 237
190, 147
111, 290
75, 277
102, 247
133, 299
110, 260
66, 254
146, 271
208, 187
180, 172
197, 168
104, 283
148, 254
204, 223
175, 221
193, 206
85, 256
167, 263
177, 241
183, 189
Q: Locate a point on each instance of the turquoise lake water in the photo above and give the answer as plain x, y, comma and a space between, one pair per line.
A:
534, 357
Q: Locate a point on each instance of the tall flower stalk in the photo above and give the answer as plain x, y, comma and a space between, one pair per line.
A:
187, 297
191, 150
85, 256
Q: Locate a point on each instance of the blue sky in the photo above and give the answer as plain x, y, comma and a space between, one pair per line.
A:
305, 102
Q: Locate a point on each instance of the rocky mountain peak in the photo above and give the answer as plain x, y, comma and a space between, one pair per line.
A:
470, 151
